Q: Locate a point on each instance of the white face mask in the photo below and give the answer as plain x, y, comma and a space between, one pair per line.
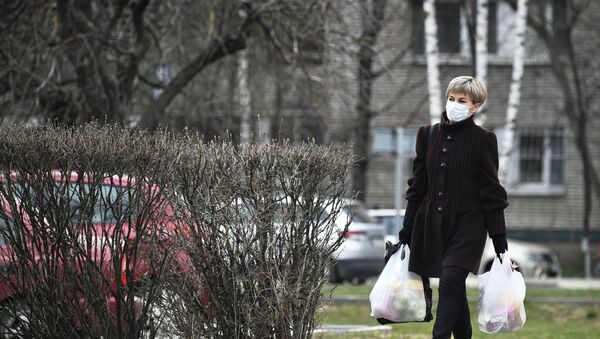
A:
456, 111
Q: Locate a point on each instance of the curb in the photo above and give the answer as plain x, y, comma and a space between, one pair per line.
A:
354, 299
381, 330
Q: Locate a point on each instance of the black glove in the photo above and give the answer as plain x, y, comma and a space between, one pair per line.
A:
500, 244
390, 249
404, 235
404, 239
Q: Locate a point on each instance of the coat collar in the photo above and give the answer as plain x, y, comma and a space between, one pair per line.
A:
456, 126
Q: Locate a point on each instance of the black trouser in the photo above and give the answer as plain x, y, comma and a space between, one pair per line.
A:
452, 316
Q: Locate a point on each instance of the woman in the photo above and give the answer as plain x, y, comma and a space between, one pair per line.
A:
454, 198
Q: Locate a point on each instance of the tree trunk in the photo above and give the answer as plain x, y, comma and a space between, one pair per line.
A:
514, 96
432, 54
244, 98
581, 141
372, 23
98, 90
481, 61
276, 123
264, 128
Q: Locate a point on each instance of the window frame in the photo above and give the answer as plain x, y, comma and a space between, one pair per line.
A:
545, 187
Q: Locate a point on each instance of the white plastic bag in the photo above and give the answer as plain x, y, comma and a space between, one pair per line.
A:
501, 297
398, 295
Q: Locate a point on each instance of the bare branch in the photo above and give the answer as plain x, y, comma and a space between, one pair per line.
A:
392, 63
150, 83
216, 49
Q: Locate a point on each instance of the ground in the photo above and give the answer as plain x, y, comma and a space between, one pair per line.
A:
545, 320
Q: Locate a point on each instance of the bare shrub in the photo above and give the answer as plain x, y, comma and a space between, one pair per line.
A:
117, 233
82, 220
260, 231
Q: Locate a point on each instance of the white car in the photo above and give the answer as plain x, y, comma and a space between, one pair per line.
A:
361, 254
387, 217
533, 260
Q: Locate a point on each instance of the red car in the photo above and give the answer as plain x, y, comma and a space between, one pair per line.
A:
114, 228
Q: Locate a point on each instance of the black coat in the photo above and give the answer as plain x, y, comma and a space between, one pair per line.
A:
454, 197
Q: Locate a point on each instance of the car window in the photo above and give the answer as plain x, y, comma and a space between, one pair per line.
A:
390, 223
112, 204
358, 214
281, 213
4, 226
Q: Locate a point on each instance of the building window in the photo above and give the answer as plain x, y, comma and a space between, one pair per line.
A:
457, 22
448, 26
385, 140
534, 46
536, 164
452, 18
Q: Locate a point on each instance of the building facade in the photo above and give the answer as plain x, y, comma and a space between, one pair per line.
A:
545, 174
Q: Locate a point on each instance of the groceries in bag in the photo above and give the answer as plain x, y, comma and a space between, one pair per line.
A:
501, 299
399, 295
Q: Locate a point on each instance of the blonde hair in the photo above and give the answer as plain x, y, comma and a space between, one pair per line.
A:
469, 86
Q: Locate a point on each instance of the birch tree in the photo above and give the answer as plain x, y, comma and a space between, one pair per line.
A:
432, 55
514, 96
244, 97
481, 47
571, 69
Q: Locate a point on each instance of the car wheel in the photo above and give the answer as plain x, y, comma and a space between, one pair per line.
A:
14, 319
334, 275
540, 273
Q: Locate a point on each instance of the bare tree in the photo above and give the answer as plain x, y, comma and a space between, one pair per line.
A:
515, 89
372, 24
481, 46
244, 97
76, 61
432, 54
570, 70
482, 40
360, 56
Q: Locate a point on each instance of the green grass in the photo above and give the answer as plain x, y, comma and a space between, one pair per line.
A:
364, 290
555, 321
572, 271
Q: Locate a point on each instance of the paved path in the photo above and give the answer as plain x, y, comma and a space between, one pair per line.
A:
350, 299
563, 283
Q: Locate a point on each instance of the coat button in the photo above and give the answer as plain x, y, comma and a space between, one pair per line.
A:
444, 150
440, 194
449, 137
439, 208
443, 164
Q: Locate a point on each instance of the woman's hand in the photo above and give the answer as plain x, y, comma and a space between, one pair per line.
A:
500, 245
404, 239
404, 235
